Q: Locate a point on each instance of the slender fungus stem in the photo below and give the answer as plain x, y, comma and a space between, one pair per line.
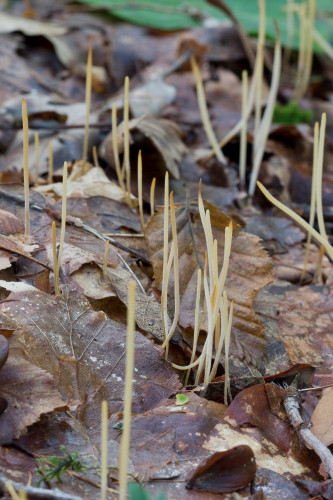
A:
95, 156
323, 43
319, 177
125, 440
313, 196
63, 220
223, 330
175, 273
54, 253
88, 100
301, 9
164, 294
104, 451
309, 45
226, 348
26, 167
11, 490
127, 165
152, 196
140, 190
260, 68
261, 136
204, 112
115, 148
243, 140
290, 33
196, 324
323, 241
36, 136
50, 175
105, 260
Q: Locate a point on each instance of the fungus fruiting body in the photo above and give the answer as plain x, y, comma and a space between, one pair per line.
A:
125, 439
88, 100
26, 168
104, 450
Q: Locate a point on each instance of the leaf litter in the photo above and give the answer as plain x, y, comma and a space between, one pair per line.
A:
64, 354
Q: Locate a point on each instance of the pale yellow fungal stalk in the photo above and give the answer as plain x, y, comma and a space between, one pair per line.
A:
196, 325
261, 136
50, 174
313, 196
323, 43
36, 136
226, 361
290, 32
88, 100
104, 450
164, 294
95, 156
223, 324
125, 439
63, 222
54, 254
302, 14
317, 236
204, 112
260, 68
26, 168
308, 46
115, 149
127, 166
139, 174
175, 273
105, 260
319, 177
243, 138
11, 490
152, 196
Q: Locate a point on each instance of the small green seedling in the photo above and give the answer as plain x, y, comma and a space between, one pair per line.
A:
57, 466
181, 399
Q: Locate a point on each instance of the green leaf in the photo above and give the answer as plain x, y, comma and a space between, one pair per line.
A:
179, 14
181, 399
136, 492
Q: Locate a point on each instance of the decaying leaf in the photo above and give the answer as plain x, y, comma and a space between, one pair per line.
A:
29, 391
322, 419
249, 271
84, 351
225, 471
163, 134
305, 326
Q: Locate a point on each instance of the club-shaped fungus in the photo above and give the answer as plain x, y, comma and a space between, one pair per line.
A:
63, 224
174, 258
260, 65
54, 255
243, 137
152, 196
126, 170
88, 100
290, 22
50, 173
26, 169
105, 260
313, 196
263, 130
104, 450
36, 137
125, 438
204, 112
120, 174
298, 219
139, 176
319, 177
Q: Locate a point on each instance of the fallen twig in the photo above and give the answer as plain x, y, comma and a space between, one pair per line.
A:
291, 405
33, 492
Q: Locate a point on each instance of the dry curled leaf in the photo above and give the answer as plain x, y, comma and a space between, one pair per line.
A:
225, 471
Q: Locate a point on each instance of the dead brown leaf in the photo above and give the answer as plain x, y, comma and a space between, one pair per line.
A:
322, 418
29, 392
249, 271
84, 351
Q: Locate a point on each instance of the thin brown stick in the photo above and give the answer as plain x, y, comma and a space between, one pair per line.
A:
291, 405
